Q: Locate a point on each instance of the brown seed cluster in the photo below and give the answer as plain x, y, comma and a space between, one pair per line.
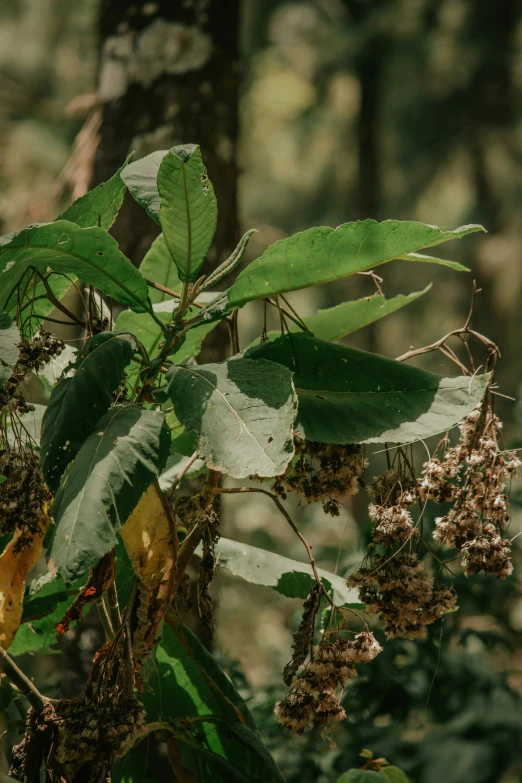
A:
23, 495
405, 598
324, 473
32, 355
38, 351
473, 475
312, 700
392, 492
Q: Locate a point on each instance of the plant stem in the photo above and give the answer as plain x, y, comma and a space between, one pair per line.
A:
182, 472
23, 683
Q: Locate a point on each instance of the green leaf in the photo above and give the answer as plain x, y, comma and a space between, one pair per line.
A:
336, 322
77, 403
394, 775
9, 339
185, 682
188, 210
42, 596
159, 267
141, 178
350, 396
289, 577
321, 255
361, 776
89, 253
434, 260
182, 442
113, 468
98, 207
241, 410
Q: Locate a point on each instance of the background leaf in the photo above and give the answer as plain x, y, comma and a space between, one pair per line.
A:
335, 322
394, 775
361, 776
289, 577
243, 412
9, 339
159, 267
98, 207
103, 485
350, 396
77, 403
89, 253
188, 211
141, 178
320, 255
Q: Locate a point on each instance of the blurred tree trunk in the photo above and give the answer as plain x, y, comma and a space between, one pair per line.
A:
169, 74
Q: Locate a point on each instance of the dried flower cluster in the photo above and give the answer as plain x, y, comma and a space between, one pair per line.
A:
23, 495
38, 351
312, 699
324, 473
392, 492
473, 474
33, 354
405, 598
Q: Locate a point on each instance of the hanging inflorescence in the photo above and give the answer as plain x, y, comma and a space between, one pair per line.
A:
395, 581
312, 700
324, 473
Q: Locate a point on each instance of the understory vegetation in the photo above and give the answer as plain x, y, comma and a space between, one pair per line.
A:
116, 485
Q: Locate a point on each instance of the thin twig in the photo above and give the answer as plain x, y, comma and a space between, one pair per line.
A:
182, 472
284, 512
23, 683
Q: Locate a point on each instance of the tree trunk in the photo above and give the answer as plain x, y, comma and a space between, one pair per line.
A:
169, 74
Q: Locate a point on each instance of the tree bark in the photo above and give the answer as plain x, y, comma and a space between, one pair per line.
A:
169, 74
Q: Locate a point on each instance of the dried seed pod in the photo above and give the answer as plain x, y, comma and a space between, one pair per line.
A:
304, 636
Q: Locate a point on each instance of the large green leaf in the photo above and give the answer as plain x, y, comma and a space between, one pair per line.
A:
361, 776
320, 255
289, 577
394, 775
188, 210
350, 396
336, 322
159, 267
242, 411
98, 207
141, 178
9, 339
103, 485
186, 682
89, 253
77, 403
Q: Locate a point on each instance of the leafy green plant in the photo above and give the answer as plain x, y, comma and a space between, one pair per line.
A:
92, 478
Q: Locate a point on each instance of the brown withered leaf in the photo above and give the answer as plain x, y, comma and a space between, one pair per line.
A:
150, 539
304, 636
14, 567
100, 579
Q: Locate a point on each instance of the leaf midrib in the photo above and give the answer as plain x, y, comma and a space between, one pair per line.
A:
228, 405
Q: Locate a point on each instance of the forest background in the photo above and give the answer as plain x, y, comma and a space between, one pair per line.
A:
407, 109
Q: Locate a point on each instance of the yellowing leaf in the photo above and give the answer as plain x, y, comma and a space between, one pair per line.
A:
14, 568
150, 540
